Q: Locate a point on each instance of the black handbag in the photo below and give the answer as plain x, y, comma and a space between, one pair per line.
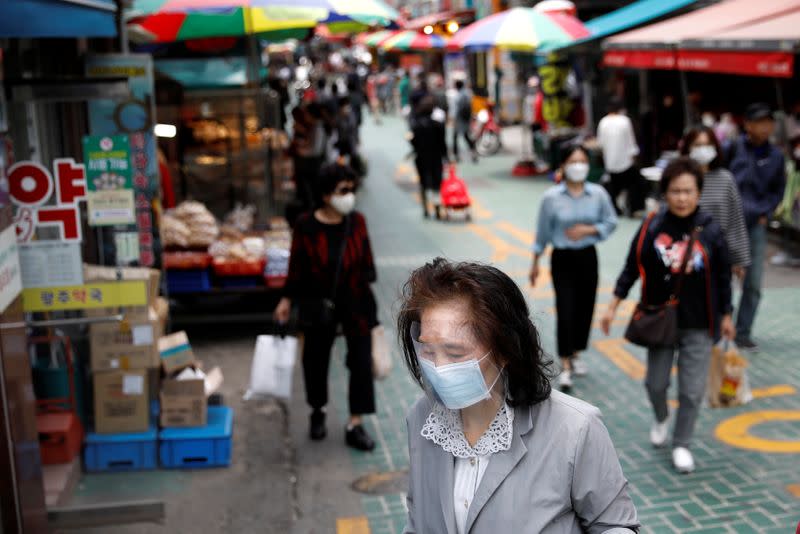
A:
318, 312
656, 325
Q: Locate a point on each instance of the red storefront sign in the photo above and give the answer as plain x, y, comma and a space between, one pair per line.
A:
771, 64
640, 59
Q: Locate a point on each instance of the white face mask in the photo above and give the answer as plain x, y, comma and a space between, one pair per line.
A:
344, 204
703, 154
577, 172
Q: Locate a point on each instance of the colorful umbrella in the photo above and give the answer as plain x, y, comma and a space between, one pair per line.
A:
177, 20
522, 29
410, 40
174, 20
374, 39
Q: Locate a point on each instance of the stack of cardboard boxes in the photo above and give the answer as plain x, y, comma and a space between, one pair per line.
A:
124, 355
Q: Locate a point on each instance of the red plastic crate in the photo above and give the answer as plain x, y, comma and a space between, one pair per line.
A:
186, 260
239, 268
275, 282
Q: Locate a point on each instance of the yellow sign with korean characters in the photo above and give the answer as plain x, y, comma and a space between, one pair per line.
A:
84, 297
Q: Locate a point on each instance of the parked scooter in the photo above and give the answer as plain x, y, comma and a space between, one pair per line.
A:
486, 131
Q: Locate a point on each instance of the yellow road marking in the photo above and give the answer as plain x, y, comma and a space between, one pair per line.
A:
352, 525
736, 431
479, 211
619, 356
502, 249
524, 236
773, 391
794, 489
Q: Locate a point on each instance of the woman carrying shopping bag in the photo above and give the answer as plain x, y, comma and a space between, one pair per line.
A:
330, 272
574, 216
681, 255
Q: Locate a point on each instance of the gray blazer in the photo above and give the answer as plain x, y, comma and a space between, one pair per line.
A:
561, 475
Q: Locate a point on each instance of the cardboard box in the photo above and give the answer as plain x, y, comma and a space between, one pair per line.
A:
120, 401
175, 352
183, 403
130, 344
97, 273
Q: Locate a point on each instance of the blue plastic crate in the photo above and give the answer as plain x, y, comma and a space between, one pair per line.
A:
208, 446
121, 452
188, 281
241, 281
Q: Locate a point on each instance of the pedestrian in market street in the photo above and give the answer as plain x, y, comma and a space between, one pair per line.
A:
491, 447
330, 272
308, 146
720, 196
573, 216
760, 173
463, 120
430, 149
616, 138
701, 291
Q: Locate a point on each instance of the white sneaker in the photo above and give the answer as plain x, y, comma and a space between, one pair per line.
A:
579, 367
565, 380
683, 460
659, 433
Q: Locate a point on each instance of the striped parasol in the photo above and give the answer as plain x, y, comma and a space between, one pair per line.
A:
409, 40
521, 29
373, 39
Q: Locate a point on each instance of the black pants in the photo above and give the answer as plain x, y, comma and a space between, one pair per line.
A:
457, 132
316, 361
631, 181
574, 275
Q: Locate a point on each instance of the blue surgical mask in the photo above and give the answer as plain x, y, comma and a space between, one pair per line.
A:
457, 385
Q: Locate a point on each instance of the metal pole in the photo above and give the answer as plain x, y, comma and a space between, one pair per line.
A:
123, 27
687, 113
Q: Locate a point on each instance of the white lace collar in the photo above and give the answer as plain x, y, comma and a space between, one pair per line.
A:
443, 427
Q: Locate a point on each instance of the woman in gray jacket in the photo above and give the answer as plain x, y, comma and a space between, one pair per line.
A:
492, 448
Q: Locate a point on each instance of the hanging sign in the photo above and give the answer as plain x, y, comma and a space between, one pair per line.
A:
87, 296
109, 180
31, 187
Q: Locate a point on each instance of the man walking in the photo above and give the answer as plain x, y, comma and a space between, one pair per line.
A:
463, 117
618, 142
760, 173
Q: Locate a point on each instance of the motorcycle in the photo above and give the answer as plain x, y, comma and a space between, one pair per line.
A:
486, 132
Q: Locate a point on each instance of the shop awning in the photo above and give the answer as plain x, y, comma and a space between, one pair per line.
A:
57, 18
725, 15
632, 15
781, 33
655, 46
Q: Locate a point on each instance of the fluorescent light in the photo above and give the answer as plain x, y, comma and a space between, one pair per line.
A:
166, 130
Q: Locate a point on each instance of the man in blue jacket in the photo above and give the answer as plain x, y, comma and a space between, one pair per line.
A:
760, 174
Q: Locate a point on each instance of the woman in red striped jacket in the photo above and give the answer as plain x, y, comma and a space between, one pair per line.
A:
330, 272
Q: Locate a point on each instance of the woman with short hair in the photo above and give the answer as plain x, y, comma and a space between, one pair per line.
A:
702, 294
491, 447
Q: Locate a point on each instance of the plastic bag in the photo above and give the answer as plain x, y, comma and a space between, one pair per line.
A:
381, 355
728, 384
273, 366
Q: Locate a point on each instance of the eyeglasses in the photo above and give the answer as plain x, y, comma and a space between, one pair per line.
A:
344, 190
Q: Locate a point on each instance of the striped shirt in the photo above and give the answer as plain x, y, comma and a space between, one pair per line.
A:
721, 199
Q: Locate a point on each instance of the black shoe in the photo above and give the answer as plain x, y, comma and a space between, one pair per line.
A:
747, 344
358, 438
318, 430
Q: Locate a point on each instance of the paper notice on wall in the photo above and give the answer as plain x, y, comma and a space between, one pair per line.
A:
10, 282
132, 385
50, 264
127, 247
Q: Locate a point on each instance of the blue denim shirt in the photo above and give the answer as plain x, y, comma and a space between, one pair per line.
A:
560, 210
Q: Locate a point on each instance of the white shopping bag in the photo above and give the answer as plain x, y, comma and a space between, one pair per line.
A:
273, 364
381, 355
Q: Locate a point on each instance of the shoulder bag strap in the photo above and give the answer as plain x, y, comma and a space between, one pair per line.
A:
639, 245
340, 260
687, 255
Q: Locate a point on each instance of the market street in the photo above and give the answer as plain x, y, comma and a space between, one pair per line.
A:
747, 478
